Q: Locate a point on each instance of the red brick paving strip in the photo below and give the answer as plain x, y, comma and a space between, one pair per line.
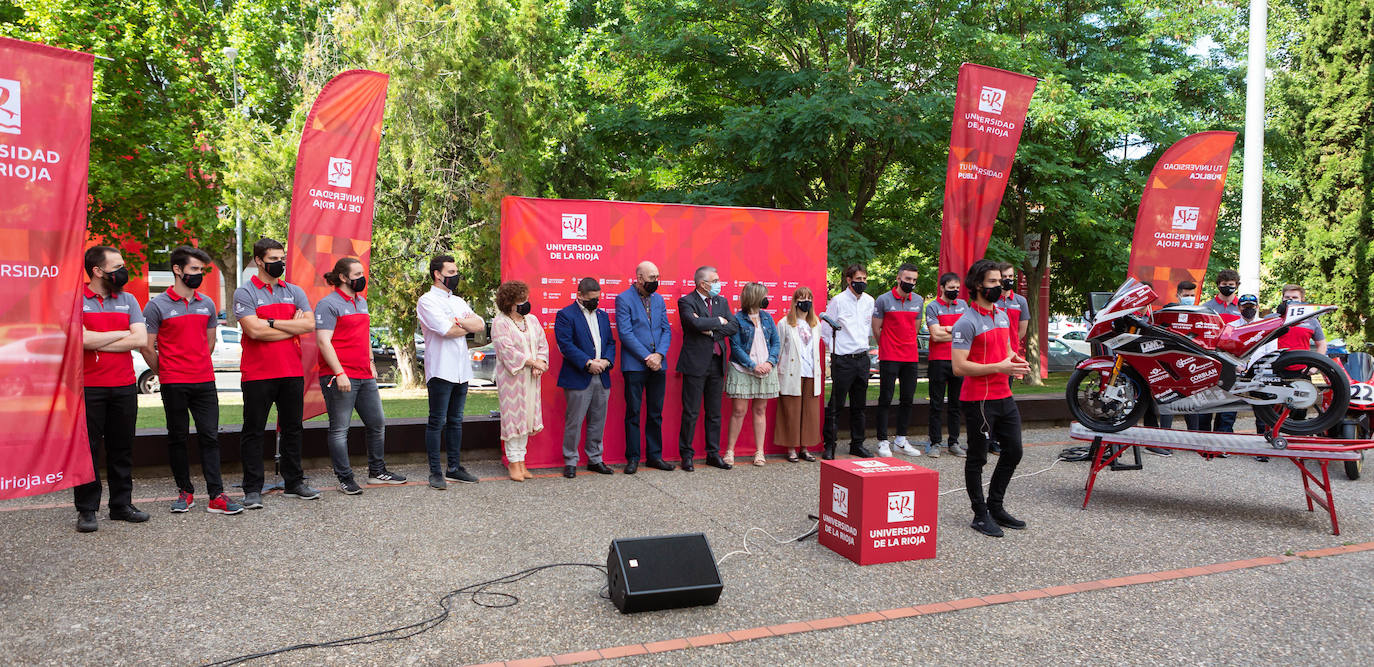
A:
782, 629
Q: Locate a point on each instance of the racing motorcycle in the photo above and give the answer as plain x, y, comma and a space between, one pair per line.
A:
1359, 367
1188, 361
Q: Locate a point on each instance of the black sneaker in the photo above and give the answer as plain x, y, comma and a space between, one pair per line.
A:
436, 481
130, 513
570, 471
460, 475
252, 500
1157, 451
1262, 459
86, 522
302, 491
1005, 520
350, 487
385, 477
984, 524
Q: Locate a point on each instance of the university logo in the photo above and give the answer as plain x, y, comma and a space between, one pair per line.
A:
340, 172
869, 464
574, 225
1185, 217
901, 506
991, 100
9, 106
839, 500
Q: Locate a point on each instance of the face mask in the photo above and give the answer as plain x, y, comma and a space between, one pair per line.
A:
951, 295
358, 284
590, 304
192, 280
858, 286
715, 288
1247, 313
804, 306
1008, 284
450, 282
764, 305
650, 286
117, 279
523, 309
275, 269
907, 288
992, 294
1227, 290
1186, 300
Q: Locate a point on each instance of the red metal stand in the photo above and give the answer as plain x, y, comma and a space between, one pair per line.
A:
1328, 502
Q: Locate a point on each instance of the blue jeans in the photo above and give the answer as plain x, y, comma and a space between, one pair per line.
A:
446, 403
364, 398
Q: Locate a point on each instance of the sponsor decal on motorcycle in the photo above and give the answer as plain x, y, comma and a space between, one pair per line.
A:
1194, 368
1151, 345
1157, 374
1203, 376
1181, 363
1166, 396
1121, 339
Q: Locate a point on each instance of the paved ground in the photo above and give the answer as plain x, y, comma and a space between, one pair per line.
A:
196, 588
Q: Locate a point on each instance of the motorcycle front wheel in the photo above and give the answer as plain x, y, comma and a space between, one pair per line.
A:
1326, 376
1084, 395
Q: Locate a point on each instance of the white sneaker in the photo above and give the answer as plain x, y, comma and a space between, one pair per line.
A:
884, 448
906, 448
900, 442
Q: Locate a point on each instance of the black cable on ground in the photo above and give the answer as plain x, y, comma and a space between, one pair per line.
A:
474, 591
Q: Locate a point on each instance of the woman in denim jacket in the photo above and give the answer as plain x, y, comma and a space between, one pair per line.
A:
752, 377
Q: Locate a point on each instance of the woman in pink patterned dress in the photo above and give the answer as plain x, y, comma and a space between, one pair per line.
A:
522, 356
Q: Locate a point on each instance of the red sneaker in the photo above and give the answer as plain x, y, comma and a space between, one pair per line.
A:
183, 503
221, 504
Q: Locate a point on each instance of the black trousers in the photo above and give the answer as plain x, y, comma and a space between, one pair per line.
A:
288, 394
111, 413
647, 387
201, 402
889, 374
696, 390
848, 379
944, 398
1000, 420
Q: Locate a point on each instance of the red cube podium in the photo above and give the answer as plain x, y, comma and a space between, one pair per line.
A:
879, 510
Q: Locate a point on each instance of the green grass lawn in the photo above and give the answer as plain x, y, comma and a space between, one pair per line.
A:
483, 402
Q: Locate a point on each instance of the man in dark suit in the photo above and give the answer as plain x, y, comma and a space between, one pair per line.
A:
706, 325
645, 336
584, 338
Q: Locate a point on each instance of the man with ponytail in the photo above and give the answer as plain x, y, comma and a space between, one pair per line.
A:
348, 378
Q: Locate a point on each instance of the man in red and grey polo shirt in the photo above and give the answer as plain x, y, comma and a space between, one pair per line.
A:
348, 378
111, 326
1018, 309
1226, 304
897, 323
181, 335
272, 314
944, 386
983, 355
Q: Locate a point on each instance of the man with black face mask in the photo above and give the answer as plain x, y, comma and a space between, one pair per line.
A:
446, 320
1225, 305
641, 317
111, 327
583, 333
897, 324
181, 336
272, 313
852, 312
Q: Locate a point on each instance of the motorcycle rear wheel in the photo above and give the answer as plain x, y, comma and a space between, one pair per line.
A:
1084, 384
1334, 380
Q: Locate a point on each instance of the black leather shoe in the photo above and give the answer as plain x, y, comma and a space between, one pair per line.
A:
570, 471
660, 464
984, 524
601, 468
131, 514
631, 466
828, 453
1005, 520
687, 466
86, 522
717, 462
860, 451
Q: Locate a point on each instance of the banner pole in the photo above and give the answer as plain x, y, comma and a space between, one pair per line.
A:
1250, 208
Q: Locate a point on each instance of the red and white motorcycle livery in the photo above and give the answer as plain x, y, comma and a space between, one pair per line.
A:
1188, 361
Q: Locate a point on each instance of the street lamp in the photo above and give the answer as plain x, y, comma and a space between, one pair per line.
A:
232, 54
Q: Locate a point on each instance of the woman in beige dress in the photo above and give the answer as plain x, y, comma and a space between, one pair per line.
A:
522, 356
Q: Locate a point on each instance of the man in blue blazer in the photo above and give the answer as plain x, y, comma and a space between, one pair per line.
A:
584, 338
641, 316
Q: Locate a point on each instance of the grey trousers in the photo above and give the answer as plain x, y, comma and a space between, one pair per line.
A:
365, 399
584, 404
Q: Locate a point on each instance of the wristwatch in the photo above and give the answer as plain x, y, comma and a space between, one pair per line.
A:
271, 324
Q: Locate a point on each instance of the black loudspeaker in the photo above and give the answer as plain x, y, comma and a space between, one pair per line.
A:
649, 573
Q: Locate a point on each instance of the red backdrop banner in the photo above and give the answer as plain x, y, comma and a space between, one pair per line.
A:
552, 243
989, 113
1178, 212
333, 197
45, 141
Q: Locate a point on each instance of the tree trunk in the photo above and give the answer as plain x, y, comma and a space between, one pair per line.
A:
1034, 277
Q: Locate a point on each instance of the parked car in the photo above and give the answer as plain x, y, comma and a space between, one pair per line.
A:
1062, 357
922, 365
144, 377
484, 362
1076, 341
40, 347
225, 358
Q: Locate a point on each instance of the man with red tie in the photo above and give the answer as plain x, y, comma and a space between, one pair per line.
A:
111, 328
272, 313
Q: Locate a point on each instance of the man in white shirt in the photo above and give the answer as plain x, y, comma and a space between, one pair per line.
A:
446, 320
846, 326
